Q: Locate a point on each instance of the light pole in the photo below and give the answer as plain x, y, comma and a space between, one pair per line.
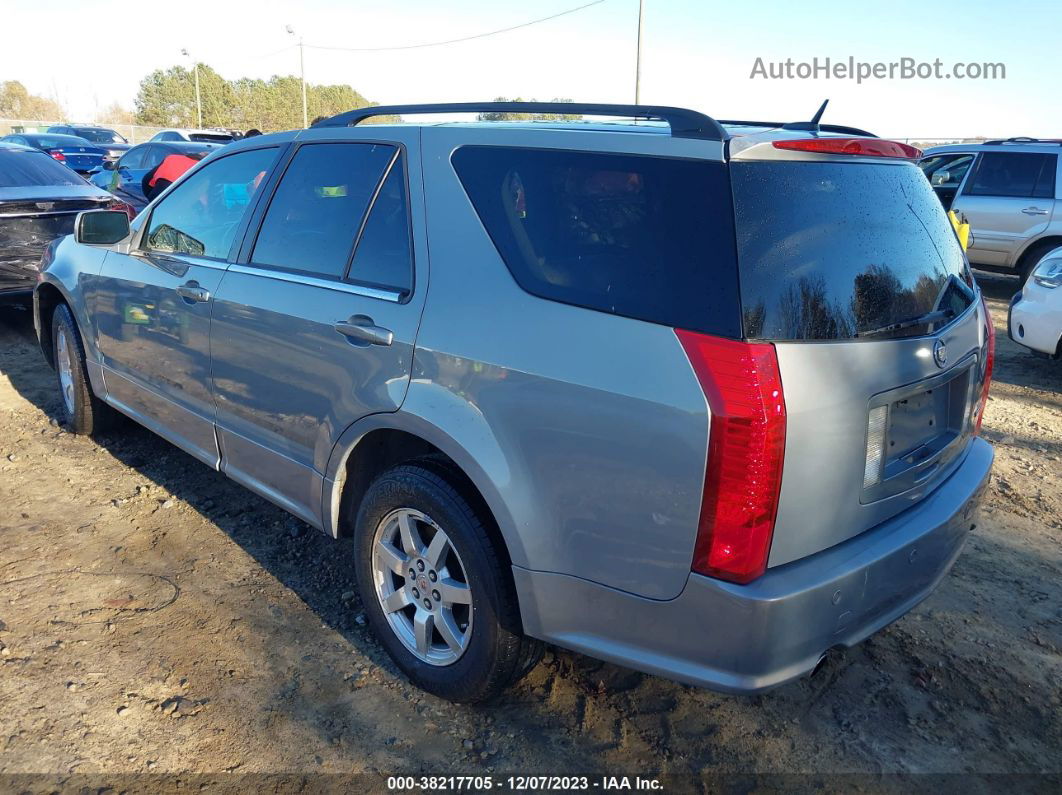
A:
638, 57
198, 103
302, 74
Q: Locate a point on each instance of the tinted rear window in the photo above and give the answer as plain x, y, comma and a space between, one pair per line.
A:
23, 169
100, 136
832, 251
644, 237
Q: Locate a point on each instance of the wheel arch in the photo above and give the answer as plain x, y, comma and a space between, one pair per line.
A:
380, 441
1044, 244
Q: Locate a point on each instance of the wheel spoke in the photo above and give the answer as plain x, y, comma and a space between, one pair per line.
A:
450, 633
437, 549
423, 623
391, 559
454, 592
411, 542
396, 601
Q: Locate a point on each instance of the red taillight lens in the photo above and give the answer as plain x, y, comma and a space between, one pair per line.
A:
57, 155
128, 209
746, 446
990, 360
869, 147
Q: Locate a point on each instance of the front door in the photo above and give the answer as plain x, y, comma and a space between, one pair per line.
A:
1008, 199
314, 328
154, 304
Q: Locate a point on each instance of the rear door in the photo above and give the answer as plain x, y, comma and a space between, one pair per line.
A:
315, 327
1008, 199
153, 304
851, 268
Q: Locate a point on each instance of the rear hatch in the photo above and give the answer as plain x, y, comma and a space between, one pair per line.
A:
849, 266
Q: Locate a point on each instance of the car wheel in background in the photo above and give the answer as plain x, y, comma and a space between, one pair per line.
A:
82, 411
434, 587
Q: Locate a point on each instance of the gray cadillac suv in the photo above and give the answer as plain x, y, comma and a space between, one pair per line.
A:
698, 398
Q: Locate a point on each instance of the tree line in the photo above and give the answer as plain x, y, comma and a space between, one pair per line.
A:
166, 98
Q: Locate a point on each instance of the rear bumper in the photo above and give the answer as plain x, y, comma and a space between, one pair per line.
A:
748, 638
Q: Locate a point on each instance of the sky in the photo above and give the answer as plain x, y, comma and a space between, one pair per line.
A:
89, 53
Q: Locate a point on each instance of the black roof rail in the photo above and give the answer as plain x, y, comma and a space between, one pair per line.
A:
684, 123
833, 128
1025, 139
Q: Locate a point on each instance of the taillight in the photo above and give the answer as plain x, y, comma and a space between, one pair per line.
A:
128, 209
746, 445
869, 147
57, 155
990, 359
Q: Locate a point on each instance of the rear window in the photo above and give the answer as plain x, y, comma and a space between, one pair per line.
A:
645, 237
100, 136
23, 169
835, 251
208, 138
56, 141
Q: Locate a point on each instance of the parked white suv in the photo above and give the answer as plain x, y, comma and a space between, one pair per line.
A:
1008, 191
1035, 317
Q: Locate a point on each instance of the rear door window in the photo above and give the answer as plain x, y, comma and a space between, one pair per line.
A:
835, 251
318, 207
644, 237
201, 215
1017, 174
383, 257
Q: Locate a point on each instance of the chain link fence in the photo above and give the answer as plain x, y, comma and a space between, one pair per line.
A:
134, 133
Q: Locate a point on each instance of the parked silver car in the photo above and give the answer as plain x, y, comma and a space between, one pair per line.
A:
1008, 190
699, 400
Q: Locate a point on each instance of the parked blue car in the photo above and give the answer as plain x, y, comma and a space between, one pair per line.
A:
70, 150
126, 178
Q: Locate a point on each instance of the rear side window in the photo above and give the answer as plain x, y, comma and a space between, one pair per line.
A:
1018, 174
24, 169
383, 257
319, 205
644, 237
835, 251
201, 215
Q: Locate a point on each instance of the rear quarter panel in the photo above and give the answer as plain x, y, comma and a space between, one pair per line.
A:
591, 429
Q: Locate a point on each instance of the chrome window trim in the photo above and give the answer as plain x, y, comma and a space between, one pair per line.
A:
313, 281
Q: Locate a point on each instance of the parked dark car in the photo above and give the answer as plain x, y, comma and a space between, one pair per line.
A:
127, 179
39, 200
70, 150
104, 137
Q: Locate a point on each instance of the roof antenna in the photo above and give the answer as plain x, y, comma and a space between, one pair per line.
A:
812, 125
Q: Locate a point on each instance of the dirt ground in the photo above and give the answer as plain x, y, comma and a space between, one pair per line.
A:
157, 618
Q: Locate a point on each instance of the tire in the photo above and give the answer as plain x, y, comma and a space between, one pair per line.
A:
82, 412
482, 650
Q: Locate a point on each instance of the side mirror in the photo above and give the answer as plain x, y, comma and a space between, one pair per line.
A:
109, 165
101, 227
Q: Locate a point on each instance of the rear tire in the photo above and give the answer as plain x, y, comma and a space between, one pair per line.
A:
82, 411
473, 647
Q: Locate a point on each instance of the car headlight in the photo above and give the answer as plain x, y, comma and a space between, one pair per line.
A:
1049, 273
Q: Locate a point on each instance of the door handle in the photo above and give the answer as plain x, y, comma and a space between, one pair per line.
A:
191, 291
360, 328
1034, 211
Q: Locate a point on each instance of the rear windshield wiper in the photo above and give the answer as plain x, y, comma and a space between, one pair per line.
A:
928, 317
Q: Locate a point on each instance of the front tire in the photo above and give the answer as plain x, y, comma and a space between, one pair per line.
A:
435, 589
82, 411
